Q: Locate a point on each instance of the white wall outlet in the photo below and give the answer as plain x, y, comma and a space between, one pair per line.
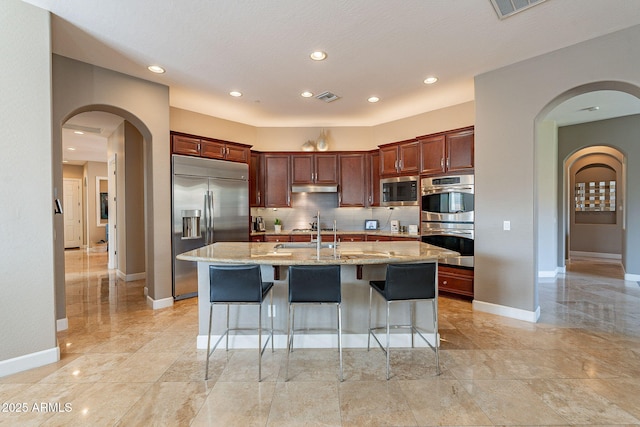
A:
272, 313
506, 225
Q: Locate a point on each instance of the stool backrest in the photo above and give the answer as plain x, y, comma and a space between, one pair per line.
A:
411, 281
235, 283
314, 283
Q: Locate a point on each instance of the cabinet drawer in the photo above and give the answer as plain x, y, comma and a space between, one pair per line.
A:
274, 238
351, 237
455, 280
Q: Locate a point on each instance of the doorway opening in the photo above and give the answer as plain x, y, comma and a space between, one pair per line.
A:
105, 153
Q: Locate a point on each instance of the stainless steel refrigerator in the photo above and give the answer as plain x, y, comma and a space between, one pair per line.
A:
210, 203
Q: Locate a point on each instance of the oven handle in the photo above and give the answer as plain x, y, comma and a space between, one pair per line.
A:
435, 190
444, 232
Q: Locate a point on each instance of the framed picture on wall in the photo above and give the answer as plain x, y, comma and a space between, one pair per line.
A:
371, 224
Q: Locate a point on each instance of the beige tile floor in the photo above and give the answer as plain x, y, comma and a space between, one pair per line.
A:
124, 364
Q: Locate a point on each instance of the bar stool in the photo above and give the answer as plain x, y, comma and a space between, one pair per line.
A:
238, 285
313, 284
407, 283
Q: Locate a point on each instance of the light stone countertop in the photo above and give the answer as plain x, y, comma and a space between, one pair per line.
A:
355, 253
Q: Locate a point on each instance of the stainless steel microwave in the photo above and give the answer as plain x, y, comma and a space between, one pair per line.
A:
399, 191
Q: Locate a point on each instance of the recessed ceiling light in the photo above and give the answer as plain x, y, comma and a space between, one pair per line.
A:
71, 149
155, 69
235, 93
373, 99
306, 94
318, 55
593, 108
78, 132
430, 80
65, 161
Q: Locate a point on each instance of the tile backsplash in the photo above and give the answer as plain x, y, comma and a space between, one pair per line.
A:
306, 205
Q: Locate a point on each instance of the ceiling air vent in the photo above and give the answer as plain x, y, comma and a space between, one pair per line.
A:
506, 8
327, 97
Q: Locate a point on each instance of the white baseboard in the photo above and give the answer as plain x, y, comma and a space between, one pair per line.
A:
594, 255
551, 273
62, 324
632, 277
314, 341
502, 310
29, 361
159, 303
130, 277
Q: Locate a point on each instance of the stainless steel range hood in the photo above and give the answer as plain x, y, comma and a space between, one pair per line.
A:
312, 188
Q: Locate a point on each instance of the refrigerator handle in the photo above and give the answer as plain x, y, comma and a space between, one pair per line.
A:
211, 225
206, 218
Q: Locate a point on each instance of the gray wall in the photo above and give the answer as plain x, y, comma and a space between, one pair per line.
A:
134, 200
510, 103
622, 133
26, 218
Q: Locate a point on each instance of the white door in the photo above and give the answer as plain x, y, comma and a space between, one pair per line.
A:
72, 209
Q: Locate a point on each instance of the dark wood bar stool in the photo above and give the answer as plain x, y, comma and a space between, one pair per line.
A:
406, 283
317, 284
238, 285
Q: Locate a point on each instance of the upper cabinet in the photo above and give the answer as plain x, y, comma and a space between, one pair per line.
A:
373, 158
447, 152
314, 169
353, 183
256, 180
192, 145
277, 181
399, 158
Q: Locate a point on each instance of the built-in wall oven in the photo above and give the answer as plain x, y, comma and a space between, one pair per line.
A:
448, 215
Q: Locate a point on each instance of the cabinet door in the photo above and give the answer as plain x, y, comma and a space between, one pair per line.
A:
432, 154
374, 178
326, 169
302, 169
212, 149
185, 145
460, 151
409, 157
353, 182
301, 237
256, 180
376, 238
389, 160
237, 153
257, 238
277, 186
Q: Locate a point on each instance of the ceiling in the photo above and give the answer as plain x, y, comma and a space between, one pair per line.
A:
261, 48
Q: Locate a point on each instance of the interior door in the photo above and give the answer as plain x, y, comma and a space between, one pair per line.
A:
72, 213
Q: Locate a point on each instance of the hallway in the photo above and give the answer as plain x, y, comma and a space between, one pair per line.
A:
125, 364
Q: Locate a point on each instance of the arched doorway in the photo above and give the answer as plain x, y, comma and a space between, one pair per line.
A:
124, 168
595, 189
550, 177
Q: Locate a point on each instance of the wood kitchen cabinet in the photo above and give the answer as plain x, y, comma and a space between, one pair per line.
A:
373, 183
276, 238
314, 169
400, 158
277, 182
352, 191
224, 150
351, 237
455, 280
193, 145
447, 152
256, 180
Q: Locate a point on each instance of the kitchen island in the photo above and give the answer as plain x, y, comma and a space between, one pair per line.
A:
360, 261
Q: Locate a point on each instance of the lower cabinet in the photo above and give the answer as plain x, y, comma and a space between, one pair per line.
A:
276, 238
257, 238
351, 237
455, 280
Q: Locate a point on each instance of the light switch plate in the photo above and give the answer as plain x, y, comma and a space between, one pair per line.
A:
506, 225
